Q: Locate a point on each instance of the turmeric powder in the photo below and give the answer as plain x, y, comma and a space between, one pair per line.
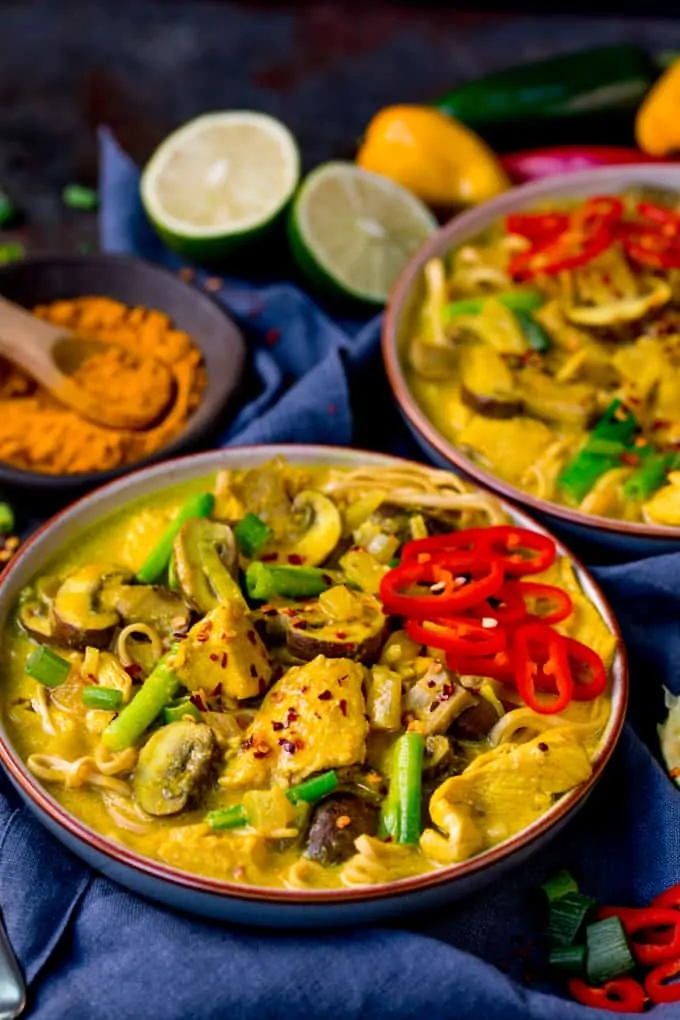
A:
37, 433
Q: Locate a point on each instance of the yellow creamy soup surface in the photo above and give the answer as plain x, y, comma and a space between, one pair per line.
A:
212, 678
548, 351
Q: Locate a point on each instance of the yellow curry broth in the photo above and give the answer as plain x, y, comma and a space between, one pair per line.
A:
48, 725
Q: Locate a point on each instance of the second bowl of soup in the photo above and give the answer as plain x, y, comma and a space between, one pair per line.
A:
535, 343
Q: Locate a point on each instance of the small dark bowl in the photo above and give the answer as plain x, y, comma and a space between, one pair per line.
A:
40, 279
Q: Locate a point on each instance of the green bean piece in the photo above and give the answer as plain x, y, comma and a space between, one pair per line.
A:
617, 422
252, 535
158, 690
108, 698
264, 582
156, 563
176, 710
77, 196
408, 763
313, 789
520, 300
7, 520
227, 818
534, 333
605, 447
47, 667
577, 478
649, 477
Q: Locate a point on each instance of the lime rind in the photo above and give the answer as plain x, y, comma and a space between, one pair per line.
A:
669, 736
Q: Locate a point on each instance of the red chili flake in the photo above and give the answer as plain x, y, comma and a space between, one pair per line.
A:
446, 692
300, 625
225, 660
543, 747
272, 337
269, 557
343, 706
262, 751
253, 672
660, 424
434, 704
340, 634
303, 690
289, 612
291, 716
247, 744
296, 560
250, 634
630, 458
325, 696
214, 656
133, 670
431, 683
299, 744
198, 701
287, 745
635, 401
204, 632
276, 726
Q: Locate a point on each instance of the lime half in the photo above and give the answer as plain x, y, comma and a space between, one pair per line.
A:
669, 736
353, 231
219, 181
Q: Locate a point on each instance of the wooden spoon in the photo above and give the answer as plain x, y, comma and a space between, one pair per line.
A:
50, 354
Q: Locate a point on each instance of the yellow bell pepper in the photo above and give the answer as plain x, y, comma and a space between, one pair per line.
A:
434, 156
657, 124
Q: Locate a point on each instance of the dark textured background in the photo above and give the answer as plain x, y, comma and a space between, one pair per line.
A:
323, 67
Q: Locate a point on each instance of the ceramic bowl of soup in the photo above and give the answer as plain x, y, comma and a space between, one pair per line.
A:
211, 695
532, 344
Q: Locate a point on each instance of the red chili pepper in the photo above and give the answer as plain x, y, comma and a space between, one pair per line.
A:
507, 606
649, 247
482, 576
568, 251
623, 995
598, 212
666, 220
534, 164
655, 982
464, 637
668, 898
497, 667
588, 671
420, 550
540, 656
519, 550
537, 227
637, 921
559, 602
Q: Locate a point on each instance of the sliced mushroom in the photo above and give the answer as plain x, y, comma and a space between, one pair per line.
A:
628, 309
78, 620
164, 610
565, 403
487, 384
312, 630
173, 765
205, 561
336, 823
35, 611
316, 530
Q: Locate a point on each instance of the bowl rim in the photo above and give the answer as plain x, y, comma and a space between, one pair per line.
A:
122, 855
462, 228
194, 426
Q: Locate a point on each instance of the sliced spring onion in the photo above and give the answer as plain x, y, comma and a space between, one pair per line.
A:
7, 521
252, 535
47, 667
520, 300
604, 447
649, 477
568, 959
156, 563
559, 885
567, 915
227, 818
264, 582
178, 709
534, 333
608, 954
108, 698
313, 789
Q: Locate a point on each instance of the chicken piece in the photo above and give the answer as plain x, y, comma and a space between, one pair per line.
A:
312, 719
233, 857
224, 648
664, 505
501, 793
508, 446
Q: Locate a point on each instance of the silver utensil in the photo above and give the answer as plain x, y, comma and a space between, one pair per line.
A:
12, 988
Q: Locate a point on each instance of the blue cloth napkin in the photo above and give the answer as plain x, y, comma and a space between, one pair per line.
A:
90, 950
